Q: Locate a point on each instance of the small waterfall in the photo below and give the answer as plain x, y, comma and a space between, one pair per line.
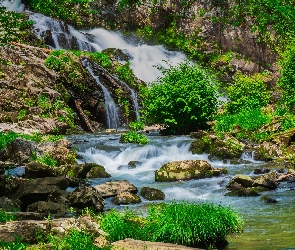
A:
133, 97
110, 106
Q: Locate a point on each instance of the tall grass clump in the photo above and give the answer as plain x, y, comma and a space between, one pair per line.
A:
189, 224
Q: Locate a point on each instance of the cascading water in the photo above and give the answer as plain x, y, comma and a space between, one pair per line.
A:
12, 5
110, 106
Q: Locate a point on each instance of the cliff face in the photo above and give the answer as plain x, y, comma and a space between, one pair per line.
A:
208, 21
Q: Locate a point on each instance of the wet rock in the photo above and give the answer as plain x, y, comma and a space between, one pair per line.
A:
244, 180
113, 188
48, 207
268, 180
219, 149
117, 54
267, 151
133, 164
152, 194
85, 196
243, 192
268, 199
261, 170
97, 171
186, 170
126, 198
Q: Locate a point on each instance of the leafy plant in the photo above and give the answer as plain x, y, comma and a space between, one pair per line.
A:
133, 137
183, 100
189, 224
46, 159
136, 125
4, 217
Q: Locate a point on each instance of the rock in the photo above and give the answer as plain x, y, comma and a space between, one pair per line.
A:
243, 192
186, 170
130, 244
126, 198
268, 199
7, 204
85, 196
18, 151
38, 190
267, 151
152, 194
58, 196
261, 170
268, 180
96, 171
9, 185
133, 164
48, 207
244, 180
219, 149
113, 188
26, 230
37, 169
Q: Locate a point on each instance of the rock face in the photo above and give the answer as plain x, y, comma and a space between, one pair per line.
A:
126, 198
152, 194
85, 196
186, 170
48, 207
113, 188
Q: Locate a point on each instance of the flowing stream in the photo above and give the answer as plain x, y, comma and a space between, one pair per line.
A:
267, 226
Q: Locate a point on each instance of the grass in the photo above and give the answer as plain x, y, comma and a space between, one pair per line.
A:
4, 217
189, 224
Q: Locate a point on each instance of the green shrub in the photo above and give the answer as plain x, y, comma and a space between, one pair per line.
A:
183, 100
46, 159
4, 217
6, 138
133, 137
247, 93
246, 119
13, 245
74, 240
136, 125
189, 224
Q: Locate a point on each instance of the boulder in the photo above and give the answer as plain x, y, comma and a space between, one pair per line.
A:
126, 198
243, 179
113, 188
96, 171
243, 192
26, 230
7, 204
87, 170
9, 185
268, 199
48, 207
268, 180
38, 190
37, 169
186, 170
18, 151
152, 194
85, 196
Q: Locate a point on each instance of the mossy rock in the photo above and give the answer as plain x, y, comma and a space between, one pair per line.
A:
97, 171
126, 198
243, 192
186, 170
152, 194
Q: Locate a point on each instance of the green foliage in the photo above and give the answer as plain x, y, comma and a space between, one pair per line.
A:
136, 125
6, 138
287, 81
122, 4
71, 11
184, 99
74, 240
46, 159
189, 224
12, 26
245, 119
133, 137
4, 217
247, 93
12, 245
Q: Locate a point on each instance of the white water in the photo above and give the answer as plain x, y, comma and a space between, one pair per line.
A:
110, 105
12, 5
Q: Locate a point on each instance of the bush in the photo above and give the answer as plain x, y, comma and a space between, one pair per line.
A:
189, 224
183, 100
247, 93
4, 217
133, 137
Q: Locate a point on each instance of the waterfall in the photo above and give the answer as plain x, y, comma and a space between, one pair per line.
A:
133, 97
110, 106
12, 5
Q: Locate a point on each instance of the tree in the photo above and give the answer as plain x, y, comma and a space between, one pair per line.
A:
183, 100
